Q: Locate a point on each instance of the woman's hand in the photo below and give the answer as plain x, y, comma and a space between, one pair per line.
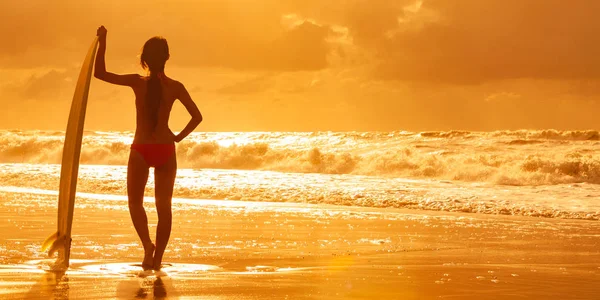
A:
175, 137
101, 32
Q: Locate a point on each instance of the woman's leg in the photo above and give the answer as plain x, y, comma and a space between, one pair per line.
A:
164, 179
137, 176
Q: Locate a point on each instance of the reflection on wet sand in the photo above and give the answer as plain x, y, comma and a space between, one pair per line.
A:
51, 285
151, 288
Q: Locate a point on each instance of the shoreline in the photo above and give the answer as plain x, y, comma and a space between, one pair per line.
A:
226, 250
525, 212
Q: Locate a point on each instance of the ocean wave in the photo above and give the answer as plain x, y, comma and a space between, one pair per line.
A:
508, 158
524, 142
108, 182
551, 134
447, 134
548, 134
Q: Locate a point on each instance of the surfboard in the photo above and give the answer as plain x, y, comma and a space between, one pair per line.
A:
60, 241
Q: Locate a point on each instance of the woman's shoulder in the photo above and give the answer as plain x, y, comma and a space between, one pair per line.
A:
177, 85
174, 85
174, 81
164, 79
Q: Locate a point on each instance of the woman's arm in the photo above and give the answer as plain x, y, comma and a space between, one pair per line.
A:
192, 109
100, 68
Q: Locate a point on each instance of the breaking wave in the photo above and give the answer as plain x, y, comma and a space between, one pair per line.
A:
525, 157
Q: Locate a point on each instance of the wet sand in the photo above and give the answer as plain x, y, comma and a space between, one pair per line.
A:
248, 250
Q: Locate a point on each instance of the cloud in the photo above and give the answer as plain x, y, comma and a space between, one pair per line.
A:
45, 85
249, 86
502, 97
336, 64
232, 34
437, 41
276, 84
300, 48
473, 41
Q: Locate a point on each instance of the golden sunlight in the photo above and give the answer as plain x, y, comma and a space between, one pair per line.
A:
299, 149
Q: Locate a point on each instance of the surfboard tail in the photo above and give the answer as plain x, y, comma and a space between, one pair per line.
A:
57, 243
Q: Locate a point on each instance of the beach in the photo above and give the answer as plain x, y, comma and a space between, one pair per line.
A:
265, 250
410, 149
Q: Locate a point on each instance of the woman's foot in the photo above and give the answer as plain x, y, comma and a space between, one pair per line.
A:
157, 264
147, 264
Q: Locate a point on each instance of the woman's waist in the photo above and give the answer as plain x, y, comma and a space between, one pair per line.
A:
159, 143
154, 138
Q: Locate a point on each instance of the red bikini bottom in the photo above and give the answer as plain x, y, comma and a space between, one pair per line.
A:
155, 155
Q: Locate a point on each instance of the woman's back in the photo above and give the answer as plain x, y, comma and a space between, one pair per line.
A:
146, 131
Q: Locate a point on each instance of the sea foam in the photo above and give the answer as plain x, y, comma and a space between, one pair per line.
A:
524, 157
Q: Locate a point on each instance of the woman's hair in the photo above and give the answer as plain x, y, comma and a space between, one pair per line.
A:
154, 56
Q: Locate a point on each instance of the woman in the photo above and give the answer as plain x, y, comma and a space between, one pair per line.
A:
153, 143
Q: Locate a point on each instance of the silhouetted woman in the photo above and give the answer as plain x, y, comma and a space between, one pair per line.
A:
153, 143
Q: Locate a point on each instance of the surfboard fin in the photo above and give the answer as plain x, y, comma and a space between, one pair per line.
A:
53, 243
49, 241
58, 243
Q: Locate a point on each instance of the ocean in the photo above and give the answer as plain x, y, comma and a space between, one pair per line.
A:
541, 173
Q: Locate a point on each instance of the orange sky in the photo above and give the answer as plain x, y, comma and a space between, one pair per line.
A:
315, 65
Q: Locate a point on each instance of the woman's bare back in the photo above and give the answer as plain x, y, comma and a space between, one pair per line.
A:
145, 133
